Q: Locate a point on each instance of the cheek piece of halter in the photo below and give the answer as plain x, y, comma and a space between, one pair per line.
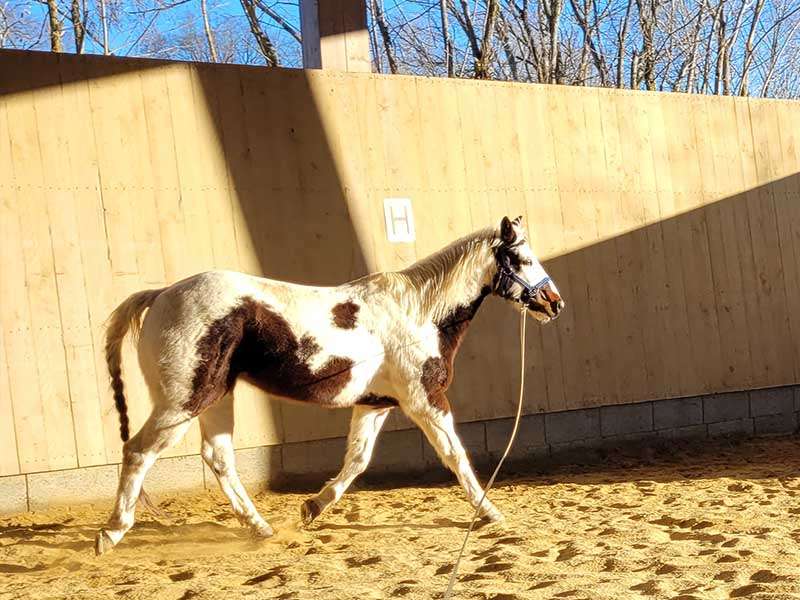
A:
506, 277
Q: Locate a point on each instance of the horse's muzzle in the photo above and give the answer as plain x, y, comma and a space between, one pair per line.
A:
548, 304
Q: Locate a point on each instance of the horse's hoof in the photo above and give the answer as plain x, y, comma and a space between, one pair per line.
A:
492, 515
102, 543
309, 511
263, 530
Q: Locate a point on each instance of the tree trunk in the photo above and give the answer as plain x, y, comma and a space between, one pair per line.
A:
77, 26
582, 16
212, 47
692, 60
502, 34
483, 60
623, 34
55, 26
380, 18
748, 48
104, 21
647, 23
447, 42
265, 45
552, 10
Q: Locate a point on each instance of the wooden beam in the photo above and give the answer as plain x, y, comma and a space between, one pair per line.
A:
335, 35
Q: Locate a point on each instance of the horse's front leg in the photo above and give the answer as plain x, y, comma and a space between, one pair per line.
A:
436, 421
365, 425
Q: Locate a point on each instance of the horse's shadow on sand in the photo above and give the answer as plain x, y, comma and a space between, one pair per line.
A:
54, 536
438, 523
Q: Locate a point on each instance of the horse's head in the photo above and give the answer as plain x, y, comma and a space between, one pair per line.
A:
520, 276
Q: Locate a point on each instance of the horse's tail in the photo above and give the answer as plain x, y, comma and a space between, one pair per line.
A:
127, 315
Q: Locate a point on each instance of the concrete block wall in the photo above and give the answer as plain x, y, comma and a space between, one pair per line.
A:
542, 439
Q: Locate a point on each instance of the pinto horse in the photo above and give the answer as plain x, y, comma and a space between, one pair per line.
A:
383, 341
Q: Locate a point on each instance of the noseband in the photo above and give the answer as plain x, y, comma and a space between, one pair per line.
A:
506, 277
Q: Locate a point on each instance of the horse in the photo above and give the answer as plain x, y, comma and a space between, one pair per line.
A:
387, 340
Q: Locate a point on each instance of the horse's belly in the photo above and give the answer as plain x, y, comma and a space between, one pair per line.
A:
338, 382
331, 372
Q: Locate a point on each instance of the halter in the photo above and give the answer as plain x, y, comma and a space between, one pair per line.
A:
506, 277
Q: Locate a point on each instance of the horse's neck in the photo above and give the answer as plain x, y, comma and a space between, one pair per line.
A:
454, 279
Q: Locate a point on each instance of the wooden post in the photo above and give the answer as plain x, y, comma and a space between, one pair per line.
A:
335, 35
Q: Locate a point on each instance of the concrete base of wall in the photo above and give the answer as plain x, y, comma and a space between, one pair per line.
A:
542, 440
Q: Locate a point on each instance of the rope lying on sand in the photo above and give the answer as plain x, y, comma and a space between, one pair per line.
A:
454, 572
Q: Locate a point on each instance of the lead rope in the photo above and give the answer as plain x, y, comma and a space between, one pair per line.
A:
454, 572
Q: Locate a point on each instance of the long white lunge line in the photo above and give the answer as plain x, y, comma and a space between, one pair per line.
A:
454, 572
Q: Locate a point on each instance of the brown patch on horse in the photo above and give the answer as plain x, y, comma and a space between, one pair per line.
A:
375, 401
439, 400
437, 371
435, 376
256, 343
345, 314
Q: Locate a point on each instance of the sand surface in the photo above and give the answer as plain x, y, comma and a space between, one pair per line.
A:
715, 520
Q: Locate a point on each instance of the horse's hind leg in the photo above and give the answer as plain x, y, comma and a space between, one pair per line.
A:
365, 424
216, 425
162, 430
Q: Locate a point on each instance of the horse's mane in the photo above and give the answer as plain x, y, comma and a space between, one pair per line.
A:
433, 284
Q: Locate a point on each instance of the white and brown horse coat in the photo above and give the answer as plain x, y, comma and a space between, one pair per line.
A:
383, 341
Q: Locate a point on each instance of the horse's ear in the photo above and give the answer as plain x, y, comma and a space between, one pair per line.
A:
507, 232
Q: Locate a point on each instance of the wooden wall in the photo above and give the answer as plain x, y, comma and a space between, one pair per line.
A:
671, 223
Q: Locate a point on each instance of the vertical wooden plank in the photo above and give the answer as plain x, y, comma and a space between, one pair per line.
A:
116, 117
471, 126
214, 185
395, 122
29, 422
720, 182
689, 243
53, 118
567, 117
769, 238
39, 278
9, 459
787, 210
160, 147
767, 243
668, 294
350, 158
322, 182
707, 253
239, 170
761, 354
90, 227
517, 169
13, 337
545, 224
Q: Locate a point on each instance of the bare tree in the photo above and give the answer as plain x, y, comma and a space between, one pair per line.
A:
55, 26
212, 48
376, 7
264, 42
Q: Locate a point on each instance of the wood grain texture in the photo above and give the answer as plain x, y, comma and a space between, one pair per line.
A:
671, 224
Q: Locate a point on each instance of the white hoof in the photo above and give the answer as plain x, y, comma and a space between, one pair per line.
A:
492, 515
262, 530
102, 543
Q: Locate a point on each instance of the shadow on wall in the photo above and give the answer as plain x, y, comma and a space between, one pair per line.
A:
293, 203
276, 165
707, 301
